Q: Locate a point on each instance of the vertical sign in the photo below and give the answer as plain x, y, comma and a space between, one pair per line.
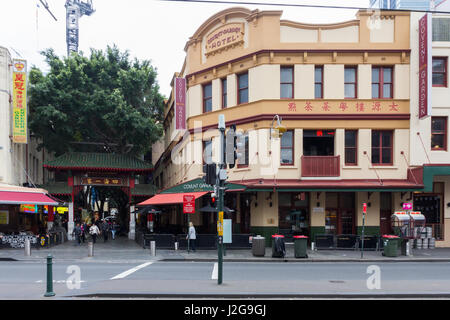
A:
425, 66
180, 103
19, 101
188, 204
220, 224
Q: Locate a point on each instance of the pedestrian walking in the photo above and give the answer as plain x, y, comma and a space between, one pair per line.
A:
83, 227
94, 231
77, 232
191, 237
105, 230
113, 230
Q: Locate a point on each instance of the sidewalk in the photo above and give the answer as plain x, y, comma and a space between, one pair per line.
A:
123, 250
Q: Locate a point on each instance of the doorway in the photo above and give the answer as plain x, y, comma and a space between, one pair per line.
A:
385, 212
340, 213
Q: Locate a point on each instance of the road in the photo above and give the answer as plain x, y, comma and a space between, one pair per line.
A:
27, 280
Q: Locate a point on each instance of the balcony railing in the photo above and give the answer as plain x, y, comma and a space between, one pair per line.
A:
320, 166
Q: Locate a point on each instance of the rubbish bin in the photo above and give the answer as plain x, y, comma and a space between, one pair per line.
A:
300, 245
390, 245
278, 248
259, 246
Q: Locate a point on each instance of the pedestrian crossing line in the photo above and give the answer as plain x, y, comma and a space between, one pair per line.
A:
215, 272
132, 270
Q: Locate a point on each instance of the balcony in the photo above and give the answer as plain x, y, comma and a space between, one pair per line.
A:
320, 166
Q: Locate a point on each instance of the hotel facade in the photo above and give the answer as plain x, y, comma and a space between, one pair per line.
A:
344, 92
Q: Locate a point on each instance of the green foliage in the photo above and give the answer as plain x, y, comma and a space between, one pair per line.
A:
104, 99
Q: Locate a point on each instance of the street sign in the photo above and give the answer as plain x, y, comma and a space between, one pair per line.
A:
227, 232
188, 203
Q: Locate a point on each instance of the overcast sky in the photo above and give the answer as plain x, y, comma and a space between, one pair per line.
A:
149, 29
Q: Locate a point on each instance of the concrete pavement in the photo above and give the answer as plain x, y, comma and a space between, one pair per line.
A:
125, 250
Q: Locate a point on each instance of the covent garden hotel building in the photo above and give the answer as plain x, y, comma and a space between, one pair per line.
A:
343, 92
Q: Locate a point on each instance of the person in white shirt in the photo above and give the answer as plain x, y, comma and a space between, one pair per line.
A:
191, 236
94, 231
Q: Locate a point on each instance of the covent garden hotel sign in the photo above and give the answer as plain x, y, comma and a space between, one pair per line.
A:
223, 38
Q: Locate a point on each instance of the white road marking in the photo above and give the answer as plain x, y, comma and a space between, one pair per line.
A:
58, 281
128, 272
215, 272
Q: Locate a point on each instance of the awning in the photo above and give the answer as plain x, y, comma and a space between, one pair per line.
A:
17, 197
170, 198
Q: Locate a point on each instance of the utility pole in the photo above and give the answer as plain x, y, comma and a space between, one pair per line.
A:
220, 186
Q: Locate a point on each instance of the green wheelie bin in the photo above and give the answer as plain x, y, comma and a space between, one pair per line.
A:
300, 245
390, 245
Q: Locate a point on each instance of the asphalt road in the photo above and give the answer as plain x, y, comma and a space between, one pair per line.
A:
27, 280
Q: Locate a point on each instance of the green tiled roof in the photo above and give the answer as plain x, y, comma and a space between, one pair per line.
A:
57, 188
101, 161
143, 190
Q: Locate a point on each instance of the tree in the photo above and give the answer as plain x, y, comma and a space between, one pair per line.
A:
105, 101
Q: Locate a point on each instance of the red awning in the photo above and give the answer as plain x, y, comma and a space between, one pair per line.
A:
16, 197
170, 198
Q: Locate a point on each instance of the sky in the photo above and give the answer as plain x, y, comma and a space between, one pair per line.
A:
148, 29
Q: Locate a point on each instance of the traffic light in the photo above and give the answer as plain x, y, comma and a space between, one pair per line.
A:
240, 147
230, 147
209, 171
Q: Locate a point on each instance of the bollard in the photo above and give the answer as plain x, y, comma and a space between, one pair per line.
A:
153, 248
90, 249
312, 246
176, 246
27, 247
49, 292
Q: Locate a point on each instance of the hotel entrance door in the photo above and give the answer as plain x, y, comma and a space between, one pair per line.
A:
340, 213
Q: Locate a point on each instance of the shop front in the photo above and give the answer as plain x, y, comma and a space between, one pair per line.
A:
26, 213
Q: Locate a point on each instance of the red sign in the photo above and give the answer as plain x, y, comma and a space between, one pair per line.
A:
407, 206
188, 203
365, 207
424, 66
180, 103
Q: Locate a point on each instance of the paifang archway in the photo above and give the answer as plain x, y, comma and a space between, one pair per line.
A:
83, 171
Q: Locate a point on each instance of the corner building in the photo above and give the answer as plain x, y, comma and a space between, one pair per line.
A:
343, 92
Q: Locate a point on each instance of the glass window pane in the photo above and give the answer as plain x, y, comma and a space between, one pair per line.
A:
331, 200
437, 141
318, 91
243, 80
286, 91
386, 156
438, 65
350, 75
208, 105
284, 199
207, 91
439, 79
224, 85
318, 74
243, 96
350, 91
375, 138
387, 75
286, 75
387, 91
207, 152
437, 124
386, 139
350, 155
286, 156
375, 75
286, 139
375, 155
375, 91
350, 138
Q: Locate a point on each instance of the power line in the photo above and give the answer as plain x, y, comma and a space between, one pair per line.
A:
301, 5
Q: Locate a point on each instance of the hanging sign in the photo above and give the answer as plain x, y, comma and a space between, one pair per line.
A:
19, 87
407, 206
180, 103
365, 207
425, 66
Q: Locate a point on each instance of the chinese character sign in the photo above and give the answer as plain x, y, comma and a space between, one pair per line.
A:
19, 101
